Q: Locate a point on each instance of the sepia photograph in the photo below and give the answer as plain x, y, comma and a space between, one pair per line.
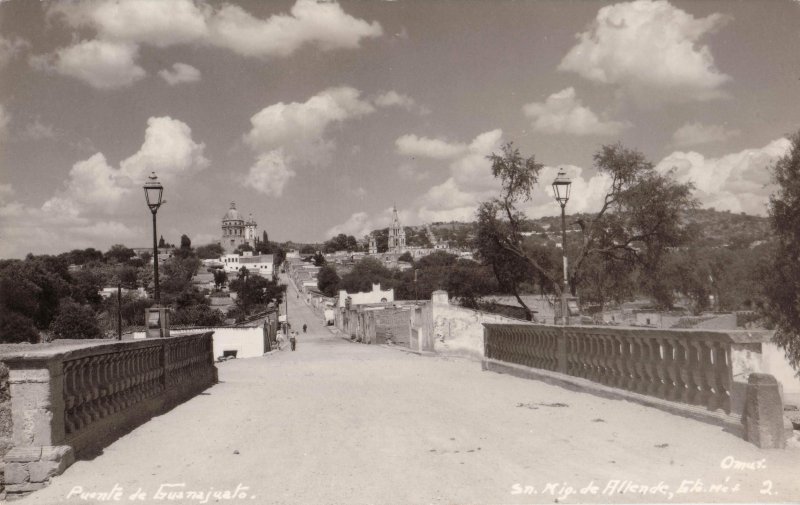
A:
388, 252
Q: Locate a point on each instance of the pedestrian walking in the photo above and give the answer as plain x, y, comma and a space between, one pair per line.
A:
304, 327
293, 340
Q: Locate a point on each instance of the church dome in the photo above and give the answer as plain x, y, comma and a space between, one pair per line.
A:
232, 214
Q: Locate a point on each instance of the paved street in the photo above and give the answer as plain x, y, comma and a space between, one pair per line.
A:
336, 422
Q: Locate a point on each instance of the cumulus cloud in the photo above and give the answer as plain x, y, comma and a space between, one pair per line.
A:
394, 99
159, 24
110, 60
692, 134
179, 73
94, 185
562, 112
99, 63
411, 145
412, 172
37, 131
295, 132
649, 48
738, 182
5, 120
324, 24
10, 48
270, 174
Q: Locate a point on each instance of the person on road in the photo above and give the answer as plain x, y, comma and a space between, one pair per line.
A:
305, 326
293, 340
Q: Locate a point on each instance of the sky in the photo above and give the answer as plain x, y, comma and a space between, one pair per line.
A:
318, 117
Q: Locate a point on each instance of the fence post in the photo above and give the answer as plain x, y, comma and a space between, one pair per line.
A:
763, 412
561, 350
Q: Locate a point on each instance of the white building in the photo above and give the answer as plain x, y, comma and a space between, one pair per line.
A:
374, 296
262, 264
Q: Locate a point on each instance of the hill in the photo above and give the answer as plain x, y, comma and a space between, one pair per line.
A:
715, 228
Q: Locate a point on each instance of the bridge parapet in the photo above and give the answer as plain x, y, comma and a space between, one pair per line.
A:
73, 402
704, 371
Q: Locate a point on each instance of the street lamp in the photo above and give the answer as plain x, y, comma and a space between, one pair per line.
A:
152, 192
561, 187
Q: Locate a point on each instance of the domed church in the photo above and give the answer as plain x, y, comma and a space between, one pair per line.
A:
237, 231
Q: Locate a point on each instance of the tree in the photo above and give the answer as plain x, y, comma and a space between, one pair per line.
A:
468, 281
781, 280
406, 257
185, 250
243, 248
75, 321
318, 259
341, 242
209, 251
119, 254
255, 292
161, 242
328, 280
640, 219
364, 274
220, 278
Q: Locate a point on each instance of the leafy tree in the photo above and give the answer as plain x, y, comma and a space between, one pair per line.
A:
467, 281
185, 250
255, 292
364, 274
15, 327
406, 257
381, 239
328, 280
243, 248
82, 256
119, 254
781, 280
220, 278
161, 242
308, 249
209, 251
177, 276
640, 219
341, 242
318, 259
75, 321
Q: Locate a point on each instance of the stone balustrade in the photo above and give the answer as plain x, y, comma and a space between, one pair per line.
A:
67, 402
690, 367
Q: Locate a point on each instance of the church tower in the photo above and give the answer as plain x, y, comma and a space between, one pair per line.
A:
397, 235
373, 245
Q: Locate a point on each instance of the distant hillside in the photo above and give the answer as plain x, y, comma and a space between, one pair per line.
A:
715, 228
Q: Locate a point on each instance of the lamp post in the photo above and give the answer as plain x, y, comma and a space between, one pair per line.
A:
152, 192
561, 187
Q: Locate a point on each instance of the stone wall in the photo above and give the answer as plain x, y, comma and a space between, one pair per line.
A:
68, 403
458, 331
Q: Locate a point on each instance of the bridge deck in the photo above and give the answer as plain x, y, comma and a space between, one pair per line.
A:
336, 422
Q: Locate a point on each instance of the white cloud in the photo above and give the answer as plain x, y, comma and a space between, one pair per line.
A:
37, 131
692, 134
110, 60
298, 131
168, 149
562, 112
324, 24
93, 185
180, 72
649, 48
412, 172
5, 120
470, 182
357, 225
270, 174
738, 182
411, 145
10, 48
151, 22
394, 99
99, 63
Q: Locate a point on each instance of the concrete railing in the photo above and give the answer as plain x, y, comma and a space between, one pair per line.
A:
691, 368
72, 402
